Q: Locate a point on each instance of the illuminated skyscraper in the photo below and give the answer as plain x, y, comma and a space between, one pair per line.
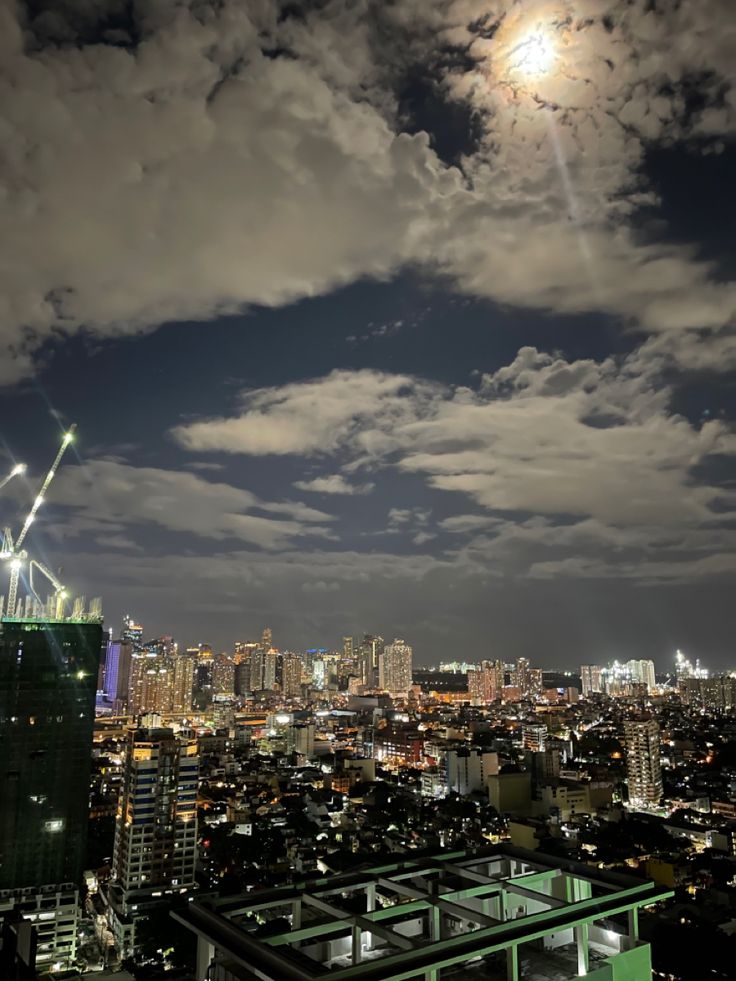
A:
396, 667
370, 652
642, 672
590, 677
485, 684
161, 681
520, 676
684, 668
643, 766
203, 671
48, 680
243, 657
117, 673
155, 829
132, 633
271, 659
151, 683
257, 668
182, 683
223, 675
292, 684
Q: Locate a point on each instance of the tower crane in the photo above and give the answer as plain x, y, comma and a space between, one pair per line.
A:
12, 550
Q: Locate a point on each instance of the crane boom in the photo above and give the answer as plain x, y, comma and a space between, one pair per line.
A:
13, 550
17, 469
68, 437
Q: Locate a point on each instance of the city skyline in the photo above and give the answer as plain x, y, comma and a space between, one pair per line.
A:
449, 343
231, 647
367, 490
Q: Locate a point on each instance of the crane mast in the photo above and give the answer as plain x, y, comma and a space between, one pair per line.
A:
12, 549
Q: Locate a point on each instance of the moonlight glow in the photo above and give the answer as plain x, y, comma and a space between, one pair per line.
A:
534, 55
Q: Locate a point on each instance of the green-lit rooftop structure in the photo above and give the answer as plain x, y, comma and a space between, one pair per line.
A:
493, 914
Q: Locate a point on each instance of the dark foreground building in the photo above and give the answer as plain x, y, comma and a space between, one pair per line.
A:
48, 679
496, 914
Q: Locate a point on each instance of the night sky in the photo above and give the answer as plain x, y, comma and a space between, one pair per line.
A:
413, 318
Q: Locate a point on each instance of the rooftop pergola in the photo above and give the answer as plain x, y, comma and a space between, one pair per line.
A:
431, 918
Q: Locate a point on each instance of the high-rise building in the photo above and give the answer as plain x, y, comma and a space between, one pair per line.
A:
520, 676
117, 673
534, 737
643, 767
395, 668
590, 677
151, 683
717, 694
243, 663
292, 682
155, 829
48, 680
182, 687
466, 771
223, 675
161, 681
370, 653
615, 680
132, 633
271, 663
203, 671
535, 689
300, 739
257, 668
684, 668
642, 672
485, 683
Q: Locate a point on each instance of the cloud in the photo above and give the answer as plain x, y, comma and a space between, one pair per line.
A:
559, 176
333, 483
542, 435
108, 496
460, 524
654, 573
313, 417
584, 438
410, 520
191, 172
575, 462
197, 158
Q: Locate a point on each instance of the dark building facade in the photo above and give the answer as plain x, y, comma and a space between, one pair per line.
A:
48, 679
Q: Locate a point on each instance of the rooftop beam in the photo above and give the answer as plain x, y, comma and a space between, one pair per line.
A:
370, 926
454, 909
456, 950
540, 897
